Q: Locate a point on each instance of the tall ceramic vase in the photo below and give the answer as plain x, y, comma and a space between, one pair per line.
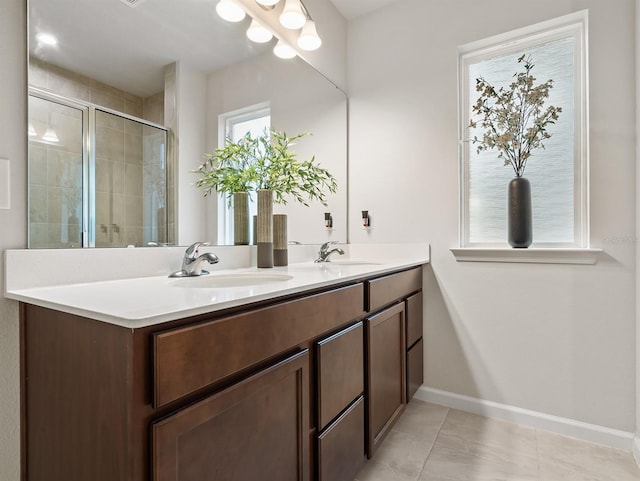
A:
240, 218
265, 228
519, 216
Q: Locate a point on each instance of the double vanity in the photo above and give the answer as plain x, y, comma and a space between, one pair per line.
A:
292, 373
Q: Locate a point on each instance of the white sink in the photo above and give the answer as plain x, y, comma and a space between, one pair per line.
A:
214, 281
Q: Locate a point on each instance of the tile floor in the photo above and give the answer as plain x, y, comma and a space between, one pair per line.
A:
434, 443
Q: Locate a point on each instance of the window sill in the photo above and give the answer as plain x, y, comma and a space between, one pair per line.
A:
534, 255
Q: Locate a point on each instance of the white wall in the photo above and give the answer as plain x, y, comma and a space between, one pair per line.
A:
192, 140
300, 100
556, 339
13, 222
636, 446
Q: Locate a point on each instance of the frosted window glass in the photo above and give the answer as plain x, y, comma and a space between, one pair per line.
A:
550, 170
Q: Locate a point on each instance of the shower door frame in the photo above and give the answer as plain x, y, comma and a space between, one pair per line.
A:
88, 236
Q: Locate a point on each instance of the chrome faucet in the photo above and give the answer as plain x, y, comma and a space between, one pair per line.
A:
192, 261
323, 255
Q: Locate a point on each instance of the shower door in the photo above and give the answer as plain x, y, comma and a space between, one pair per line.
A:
56, 153
97, 178
130, 182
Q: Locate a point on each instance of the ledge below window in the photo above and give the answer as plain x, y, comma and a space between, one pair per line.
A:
530, 255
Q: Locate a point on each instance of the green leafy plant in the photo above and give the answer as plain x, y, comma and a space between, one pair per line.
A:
265, 162
514, 118
278, 169
229, 169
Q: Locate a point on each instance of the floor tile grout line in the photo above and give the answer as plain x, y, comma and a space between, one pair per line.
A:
435, 440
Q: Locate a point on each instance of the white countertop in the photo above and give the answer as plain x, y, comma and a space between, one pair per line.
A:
143, 301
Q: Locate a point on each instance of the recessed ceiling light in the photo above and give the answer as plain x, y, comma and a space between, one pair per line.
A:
46, 39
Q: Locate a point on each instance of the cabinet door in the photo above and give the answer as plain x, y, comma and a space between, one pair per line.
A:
256, 429
386, 373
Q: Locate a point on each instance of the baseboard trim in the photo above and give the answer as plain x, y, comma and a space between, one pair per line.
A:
636, 448
568, 427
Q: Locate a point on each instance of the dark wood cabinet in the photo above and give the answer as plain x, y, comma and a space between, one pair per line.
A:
340, 405
340, 372
386, 372
415, 367
415, 345
299, 388
256, 429
341, 451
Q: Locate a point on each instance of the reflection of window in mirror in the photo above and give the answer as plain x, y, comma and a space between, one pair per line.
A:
233, 126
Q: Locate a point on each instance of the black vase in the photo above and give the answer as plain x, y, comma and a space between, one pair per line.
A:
519, 217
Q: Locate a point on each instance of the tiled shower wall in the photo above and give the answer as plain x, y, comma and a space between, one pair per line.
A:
119, 161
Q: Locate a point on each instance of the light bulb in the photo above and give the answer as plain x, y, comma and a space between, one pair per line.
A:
258, 33
230, 11
309, 39
284, 50
47, 39
267, 3
50, 136
292, 16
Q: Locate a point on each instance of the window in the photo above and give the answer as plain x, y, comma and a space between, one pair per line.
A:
558, 173
235, 125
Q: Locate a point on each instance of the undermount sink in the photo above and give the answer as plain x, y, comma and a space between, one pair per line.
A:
214, 281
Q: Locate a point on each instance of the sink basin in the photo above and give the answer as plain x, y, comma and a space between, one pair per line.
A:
230, 280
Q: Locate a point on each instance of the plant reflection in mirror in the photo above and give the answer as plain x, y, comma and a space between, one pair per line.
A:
266, 162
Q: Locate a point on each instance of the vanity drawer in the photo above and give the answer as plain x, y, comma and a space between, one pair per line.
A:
190, 358
414, 318
340, 363
415, 368
341, 451
388, 289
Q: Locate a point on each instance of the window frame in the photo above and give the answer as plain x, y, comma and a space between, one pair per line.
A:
573, 25
226, 121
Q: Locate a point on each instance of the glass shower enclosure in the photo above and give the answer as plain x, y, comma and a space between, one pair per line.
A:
97, 178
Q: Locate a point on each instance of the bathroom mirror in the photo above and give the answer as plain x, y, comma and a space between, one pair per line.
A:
106, 79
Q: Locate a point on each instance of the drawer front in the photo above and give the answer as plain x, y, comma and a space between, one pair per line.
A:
340, 375
253, 429
341, 446
414, 369
190, 358
414, 318
388, 289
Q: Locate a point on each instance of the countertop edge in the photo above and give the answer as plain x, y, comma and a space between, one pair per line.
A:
38, 296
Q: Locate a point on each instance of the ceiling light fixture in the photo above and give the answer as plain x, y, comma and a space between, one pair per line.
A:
309, 39
267, 3
50, 136
284, 50
292, 16
258, 32
32, 131
230, 11
46, 39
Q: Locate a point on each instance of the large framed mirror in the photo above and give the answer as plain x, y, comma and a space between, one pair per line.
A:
112, 140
